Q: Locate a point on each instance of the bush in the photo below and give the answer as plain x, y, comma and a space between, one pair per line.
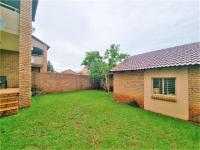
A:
133, 103
96, 83
36, 91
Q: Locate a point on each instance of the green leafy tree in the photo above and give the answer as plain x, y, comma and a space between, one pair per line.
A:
100, 66
112, 57
50, 67
93, 61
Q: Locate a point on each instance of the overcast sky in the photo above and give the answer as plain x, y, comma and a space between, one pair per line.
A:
72, 27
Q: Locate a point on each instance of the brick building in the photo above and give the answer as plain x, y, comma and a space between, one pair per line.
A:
39, 55
20, 52
165, 81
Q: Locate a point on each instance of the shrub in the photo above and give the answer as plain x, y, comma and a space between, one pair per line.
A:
133, 103
36, 91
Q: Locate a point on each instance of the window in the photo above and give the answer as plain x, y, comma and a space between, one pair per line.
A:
169, 86
164, 86
157, 86
35, 69
37, 51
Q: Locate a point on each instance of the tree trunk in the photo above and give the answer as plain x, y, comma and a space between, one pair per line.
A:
107, 83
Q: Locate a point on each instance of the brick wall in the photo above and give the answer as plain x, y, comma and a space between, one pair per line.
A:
57, 82
9, 67
194, 93
129, 86
25, 53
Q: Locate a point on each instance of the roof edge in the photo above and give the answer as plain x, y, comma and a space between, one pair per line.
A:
185, 65
41, 41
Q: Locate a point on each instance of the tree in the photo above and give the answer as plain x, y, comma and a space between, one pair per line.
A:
100, 66
112, 57
93, 61
50, 67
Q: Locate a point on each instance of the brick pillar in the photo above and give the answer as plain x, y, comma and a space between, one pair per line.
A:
25, 53
194, 93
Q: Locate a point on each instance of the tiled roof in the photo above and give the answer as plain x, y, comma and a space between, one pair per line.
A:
69, 71
84, 71
183, 55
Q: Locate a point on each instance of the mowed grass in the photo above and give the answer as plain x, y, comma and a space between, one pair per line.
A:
92, 120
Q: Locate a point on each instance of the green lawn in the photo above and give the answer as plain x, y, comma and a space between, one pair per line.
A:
89, 120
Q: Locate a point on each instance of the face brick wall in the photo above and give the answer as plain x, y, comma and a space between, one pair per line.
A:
194, 93
25, 53
57, 82
9, 67
129, 86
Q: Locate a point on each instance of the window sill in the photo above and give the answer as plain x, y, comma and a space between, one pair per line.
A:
164, 97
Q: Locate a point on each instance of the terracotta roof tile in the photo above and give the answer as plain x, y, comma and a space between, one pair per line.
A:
69, 71
183, 55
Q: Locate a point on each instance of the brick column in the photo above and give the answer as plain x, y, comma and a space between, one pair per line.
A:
194, 93
25, 53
